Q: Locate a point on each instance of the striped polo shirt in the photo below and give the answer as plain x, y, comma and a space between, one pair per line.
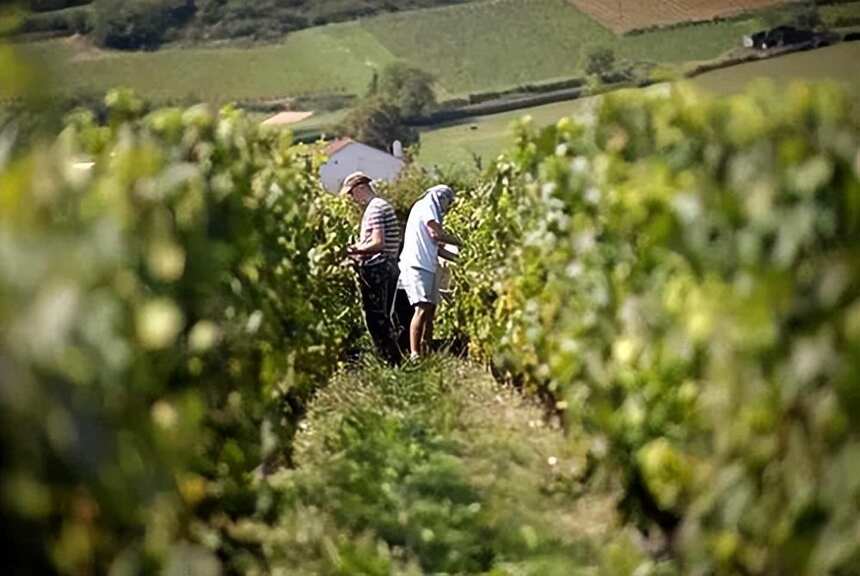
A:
380, 213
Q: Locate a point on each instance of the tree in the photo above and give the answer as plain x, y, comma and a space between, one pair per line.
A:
51, 5
407, 88
373, 87
378, 123
808, 16
397, 94
599, 61
138, 25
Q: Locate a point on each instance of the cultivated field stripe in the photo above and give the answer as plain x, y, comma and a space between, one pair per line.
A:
625, 15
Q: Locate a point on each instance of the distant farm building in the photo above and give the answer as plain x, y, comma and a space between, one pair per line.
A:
346, 156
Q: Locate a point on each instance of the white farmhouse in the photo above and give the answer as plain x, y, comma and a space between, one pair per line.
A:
346, 156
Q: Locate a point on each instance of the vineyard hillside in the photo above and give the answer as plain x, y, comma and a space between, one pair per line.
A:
648, 362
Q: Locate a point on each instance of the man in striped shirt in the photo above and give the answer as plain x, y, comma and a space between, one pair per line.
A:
376, 255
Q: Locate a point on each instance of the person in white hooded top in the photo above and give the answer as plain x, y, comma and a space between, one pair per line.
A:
419, 261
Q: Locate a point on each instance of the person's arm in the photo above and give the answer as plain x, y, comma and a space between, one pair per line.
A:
448, 255
439, 234
372, 245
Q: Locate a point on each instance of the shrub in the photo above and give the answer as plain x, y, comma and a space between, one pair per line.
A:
52, 5
271, 19
681, 276
378, 123
137, 25
76, 20
599, 61
171, 310
407, 88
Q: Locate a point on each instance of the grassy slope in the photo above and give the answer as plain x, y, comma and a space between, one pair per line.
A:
472, 47
337, 58
456, 143
497, 44
437, 462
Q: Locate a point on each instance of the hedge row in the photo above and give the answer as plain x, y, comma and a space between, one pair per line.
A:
166, 313
682, 276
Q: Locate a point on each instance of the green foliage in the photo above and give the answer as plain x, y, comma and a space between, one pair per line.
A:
142, 24
434, 469
236, 19
808, 15
839, 15
599, 61
166, 314
52, 5
74, 20
407, 88
400, 94
271, 19
680, 274
378, 123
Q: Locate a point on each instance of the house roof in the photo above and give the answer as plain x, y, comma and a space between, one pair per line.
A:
285, 118
336, 146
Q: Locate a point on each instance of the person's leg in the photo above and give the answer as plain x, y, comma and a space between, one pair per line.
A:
373, 297
417, 328
393, 348
428, 328
434, 297
402, 319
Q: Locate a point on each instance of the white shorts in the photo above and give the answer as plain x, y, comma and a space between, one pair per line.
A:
420, 286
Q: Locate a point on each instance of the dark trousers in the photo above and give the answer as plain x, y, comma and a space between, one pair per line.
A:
378, 286
402, 317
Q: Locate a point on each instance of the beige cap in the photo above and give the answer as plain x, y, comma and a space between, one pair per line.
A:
354, 180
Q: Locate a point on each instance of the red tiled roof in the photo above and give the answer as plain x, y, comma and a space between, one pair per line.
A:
337, 145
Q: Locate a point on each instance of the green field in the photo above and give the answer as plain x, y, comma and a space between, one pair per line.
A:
488, 136
330, 59
833, 63
469, 48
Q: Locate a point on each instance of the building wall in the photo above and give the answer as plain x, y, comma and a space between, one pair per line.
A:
375, 163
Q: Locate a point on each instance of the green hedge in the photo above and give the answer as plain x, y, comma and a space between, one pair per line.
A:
54, 5
682, 275
166, 314
143, 24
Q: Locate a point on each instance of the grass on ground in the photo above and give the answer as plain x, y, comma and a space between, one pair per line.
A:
486, 136
431, 468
